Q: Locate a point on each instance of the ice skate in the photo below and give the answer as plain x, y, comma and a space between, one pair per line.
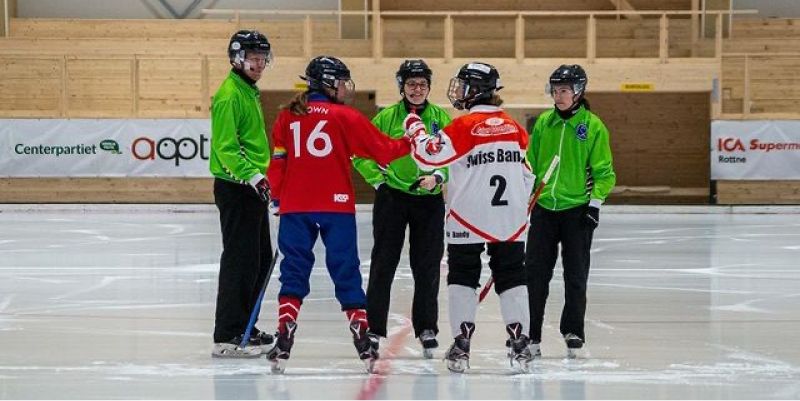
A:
262, 340
536, 350
366, 345
519, 355
428, 340
279, 354
231, 349
574, 343
457, 355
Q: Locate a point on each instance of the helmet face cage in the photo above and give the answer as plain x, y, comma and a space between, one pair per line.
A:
345, 91
572, 75
412, 68
330, 73
474, 82
247, 42
457, 92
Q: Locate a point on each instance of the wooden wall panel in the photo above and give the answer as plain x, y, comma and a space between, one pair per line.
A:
758, 192
106, 190
544, 37
99, 88
186, 29
773, 28
660, 142
773, 86
19, 98
170, 87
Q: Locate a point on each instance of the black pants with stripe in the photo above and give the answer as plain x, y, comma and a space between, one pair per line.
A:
246, 256
392, 212
549, 229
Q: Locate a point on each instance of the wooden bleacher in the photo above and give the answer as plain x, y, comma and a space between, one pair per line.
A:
759, 81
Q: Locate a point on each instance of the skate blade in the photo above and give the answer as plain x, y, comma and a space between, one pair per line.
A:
427, 353
458, 366
371, 365
520, 366
278, 366
572, 353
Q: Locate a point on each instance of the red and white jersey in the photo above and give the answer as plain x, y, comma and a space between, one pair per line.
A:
311, 161
490, 179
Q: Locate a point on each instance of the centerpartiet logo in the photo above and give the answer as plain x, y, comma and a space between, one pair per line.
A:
110, 145
55, 150
146, 148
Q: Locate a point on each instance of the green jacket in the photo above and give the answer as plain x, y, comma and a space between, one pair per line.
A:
239, 148
402, 172
582, 142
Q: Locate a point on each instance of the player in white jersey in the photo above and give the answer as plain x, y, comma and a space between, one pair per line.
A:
487, 198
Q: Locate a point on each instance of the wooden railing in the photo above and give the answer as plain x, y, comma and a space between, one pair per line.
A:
378, 18
760, 85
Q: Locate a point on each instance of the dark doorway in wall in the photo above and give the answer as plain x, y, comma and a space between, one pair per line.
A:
660, 144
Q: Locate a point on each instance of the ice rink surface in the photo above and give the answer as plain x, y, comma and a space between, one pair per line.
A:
118, 303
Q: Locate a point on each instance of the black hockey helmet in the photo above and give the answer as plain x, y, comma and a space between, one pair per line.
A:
475, 83
327, 72
572, 75
245, 41
410, 69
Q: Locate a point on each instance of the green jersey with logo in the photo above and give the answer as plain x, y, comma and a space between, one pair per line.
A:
239, 148
585, 172
402, 172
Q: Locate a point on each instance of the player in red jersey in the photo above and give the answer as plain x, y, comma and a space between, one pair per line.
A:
315, 137
487, 198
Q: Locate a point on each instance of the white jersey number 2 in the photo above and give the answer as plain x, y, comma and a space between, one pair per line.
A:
500, 182
317, 134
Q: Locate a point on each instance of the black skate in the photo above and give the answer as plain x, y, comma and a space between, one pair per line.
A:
457, 355
261, 339
536, 350
366, 345
519, 356
574, 343
429, 343
279, 354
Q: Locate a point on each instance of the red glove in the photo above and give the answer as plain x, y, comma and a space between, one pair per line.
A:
434, 145
413, 125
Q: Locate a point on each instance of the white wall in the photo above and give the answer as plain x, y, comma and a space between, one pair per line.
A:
152, 8
770, 8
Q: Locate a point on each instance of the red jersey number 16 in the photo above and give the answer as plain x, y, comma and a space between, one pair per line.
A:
316, 135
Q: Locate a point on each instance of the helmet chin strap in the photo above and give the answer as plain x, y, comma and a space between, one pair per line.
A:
568, 113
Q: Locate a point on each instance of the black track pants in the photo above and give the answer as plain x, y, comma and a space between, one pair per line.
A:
392, 212
246, 256
548, 229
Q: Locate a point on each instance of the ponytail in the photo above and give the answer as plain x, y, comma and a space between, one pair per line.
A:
585, 103
298, 105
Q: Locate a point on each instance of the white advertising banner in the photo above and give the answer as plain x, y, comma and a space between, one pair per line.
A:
104, 148
755, 150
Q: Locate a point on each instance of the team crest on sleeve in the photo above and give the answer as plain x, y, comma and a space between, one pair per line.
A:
580, 131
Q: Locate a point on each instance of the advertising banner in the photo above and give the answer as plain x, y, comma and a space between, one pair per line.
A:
755, 150
104, 148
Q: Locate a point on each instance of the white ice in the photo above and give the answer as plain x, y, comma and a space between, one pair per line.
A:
117, 302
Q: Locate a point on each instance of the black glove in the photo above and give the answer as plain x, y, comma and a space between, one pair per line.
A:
592, 217
262, 189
